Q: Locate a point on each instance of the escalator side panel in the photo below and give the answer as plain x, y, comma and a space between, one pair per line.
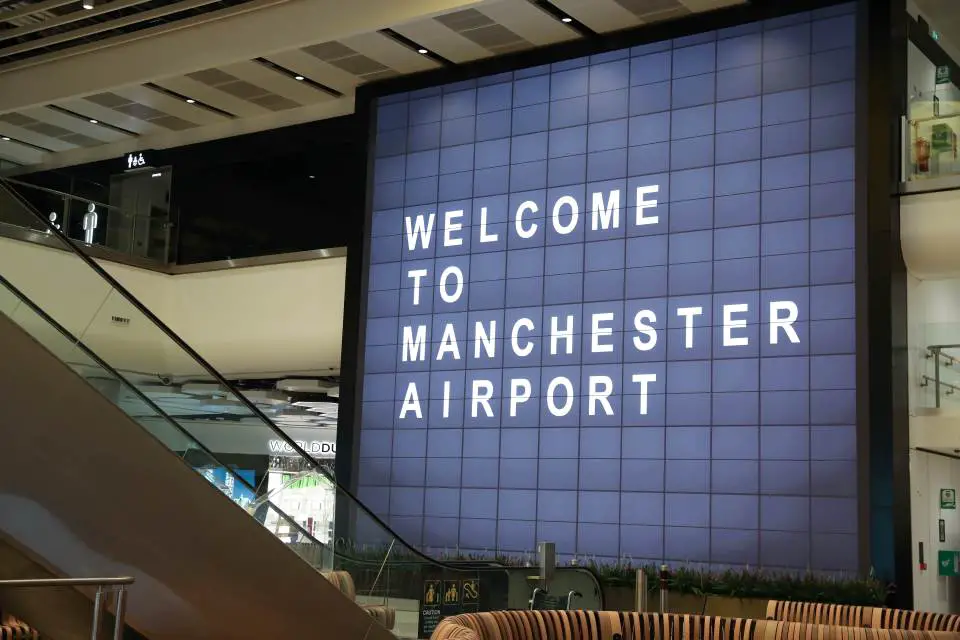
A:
92, 493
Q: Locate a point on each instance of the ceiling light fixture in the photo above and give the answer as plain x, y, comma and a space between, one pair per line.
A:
88, 4
92, 121
566, 19
191, 101
423, 51
5, 139
298, 78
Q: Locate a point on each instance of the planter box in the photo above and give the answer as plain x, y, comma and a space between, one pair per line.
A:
623, 598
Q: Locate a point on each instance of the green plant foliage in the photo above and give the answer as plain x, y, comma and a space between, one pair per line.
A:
752, 583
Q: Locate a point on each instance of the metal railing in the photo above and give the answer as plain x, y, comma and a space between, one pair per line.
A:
940, 387
103, 585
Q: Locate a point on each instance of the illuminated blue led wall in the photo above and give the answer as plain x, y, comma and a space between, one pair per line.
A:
610, 304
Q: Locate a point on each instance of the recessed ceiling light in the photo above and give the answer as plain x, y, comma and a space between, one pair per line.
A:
87, 4
92, 121
566, 19
5, 139
312, 177
298, 77
423, 51
190, 101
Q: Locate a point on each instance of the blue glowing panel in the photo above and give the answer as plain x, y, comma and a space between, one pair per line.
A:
610, 303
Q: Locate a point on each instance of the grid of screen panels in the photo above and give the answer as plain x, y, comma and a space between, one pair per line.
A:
610, 304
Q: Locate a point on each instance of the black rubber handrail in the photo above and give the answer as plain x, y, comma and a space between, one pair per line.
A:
110, 280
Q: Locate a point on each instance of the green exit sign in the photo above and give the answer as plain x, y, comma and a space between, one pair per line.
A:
948, 563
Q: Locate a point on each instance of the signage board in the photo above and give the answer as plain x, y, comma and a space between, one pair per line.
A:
943, 74
316, 448
450, 594
136, 160
948, 563
610, 303
948, 498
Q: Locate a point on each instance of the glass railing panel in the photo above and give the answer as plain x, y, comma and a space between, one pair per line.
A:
933, 149
128, 398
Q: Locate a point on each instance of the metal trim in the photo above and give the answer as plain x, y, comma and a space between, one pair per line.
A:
930, 185
34, 236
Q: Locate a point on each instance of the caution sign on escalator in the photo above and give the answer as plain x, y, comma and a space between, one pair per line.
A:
445, 597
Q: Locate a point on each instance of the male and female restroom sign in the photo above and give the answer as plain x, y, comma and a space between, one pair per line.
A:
610, 302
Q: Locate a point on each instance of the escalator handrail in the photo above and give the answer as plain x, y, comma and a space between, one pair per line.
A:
110, 280
24, 299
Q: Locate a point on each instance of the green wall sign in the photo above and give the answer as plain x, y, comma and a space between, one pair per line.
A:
943, 74
948, 498
948, 563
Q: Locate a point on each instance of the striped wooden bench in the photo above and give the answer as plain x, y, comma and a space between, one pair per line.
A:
856, 616
615, 625
17, 631
386, 616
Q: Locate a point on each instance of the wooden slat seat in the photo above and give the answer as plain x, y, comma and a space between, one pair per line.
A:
613, 625
386, 616
856, 616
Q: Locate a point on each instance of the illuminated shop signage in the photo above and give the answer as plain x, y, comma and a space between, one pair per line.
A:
316, 448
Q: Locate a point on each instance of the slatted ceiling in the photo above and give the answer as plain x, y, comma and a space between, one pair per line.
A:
235, 86
442, 40
600, 15
139, 111
709, 5
85, 133
389, 53
347, 60
646, 9
529, 22
289, 93
26, 133
315, 69
19, 13
21, 154
189, 87
169, 105
89, 109
484, 31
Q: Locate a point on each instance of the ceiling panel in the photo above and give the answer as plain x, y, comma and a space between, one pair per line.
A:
530, 22
209, 95
98, 112
389, 53
277, 83
710, 5
599, 15
78, 125
316, 69
11, 150
442, 40
170, 105
25, 134
261, 46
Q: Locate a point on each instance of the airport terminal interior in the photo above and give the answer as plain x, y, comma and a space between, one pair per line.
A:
479, 319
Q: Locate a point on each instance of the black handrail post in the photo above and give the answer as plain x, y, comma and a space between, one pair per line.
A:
936, 375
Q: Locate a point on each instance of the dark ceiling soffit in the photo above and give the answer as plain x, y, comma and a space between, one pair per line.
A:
644, 34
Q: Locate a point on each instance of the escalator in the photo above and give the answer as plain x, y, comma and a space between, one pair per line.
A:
121, 469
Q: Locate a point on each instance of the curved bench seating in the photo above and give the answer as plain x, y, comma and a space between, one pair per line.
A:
616, 625
856, 616
386, 616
